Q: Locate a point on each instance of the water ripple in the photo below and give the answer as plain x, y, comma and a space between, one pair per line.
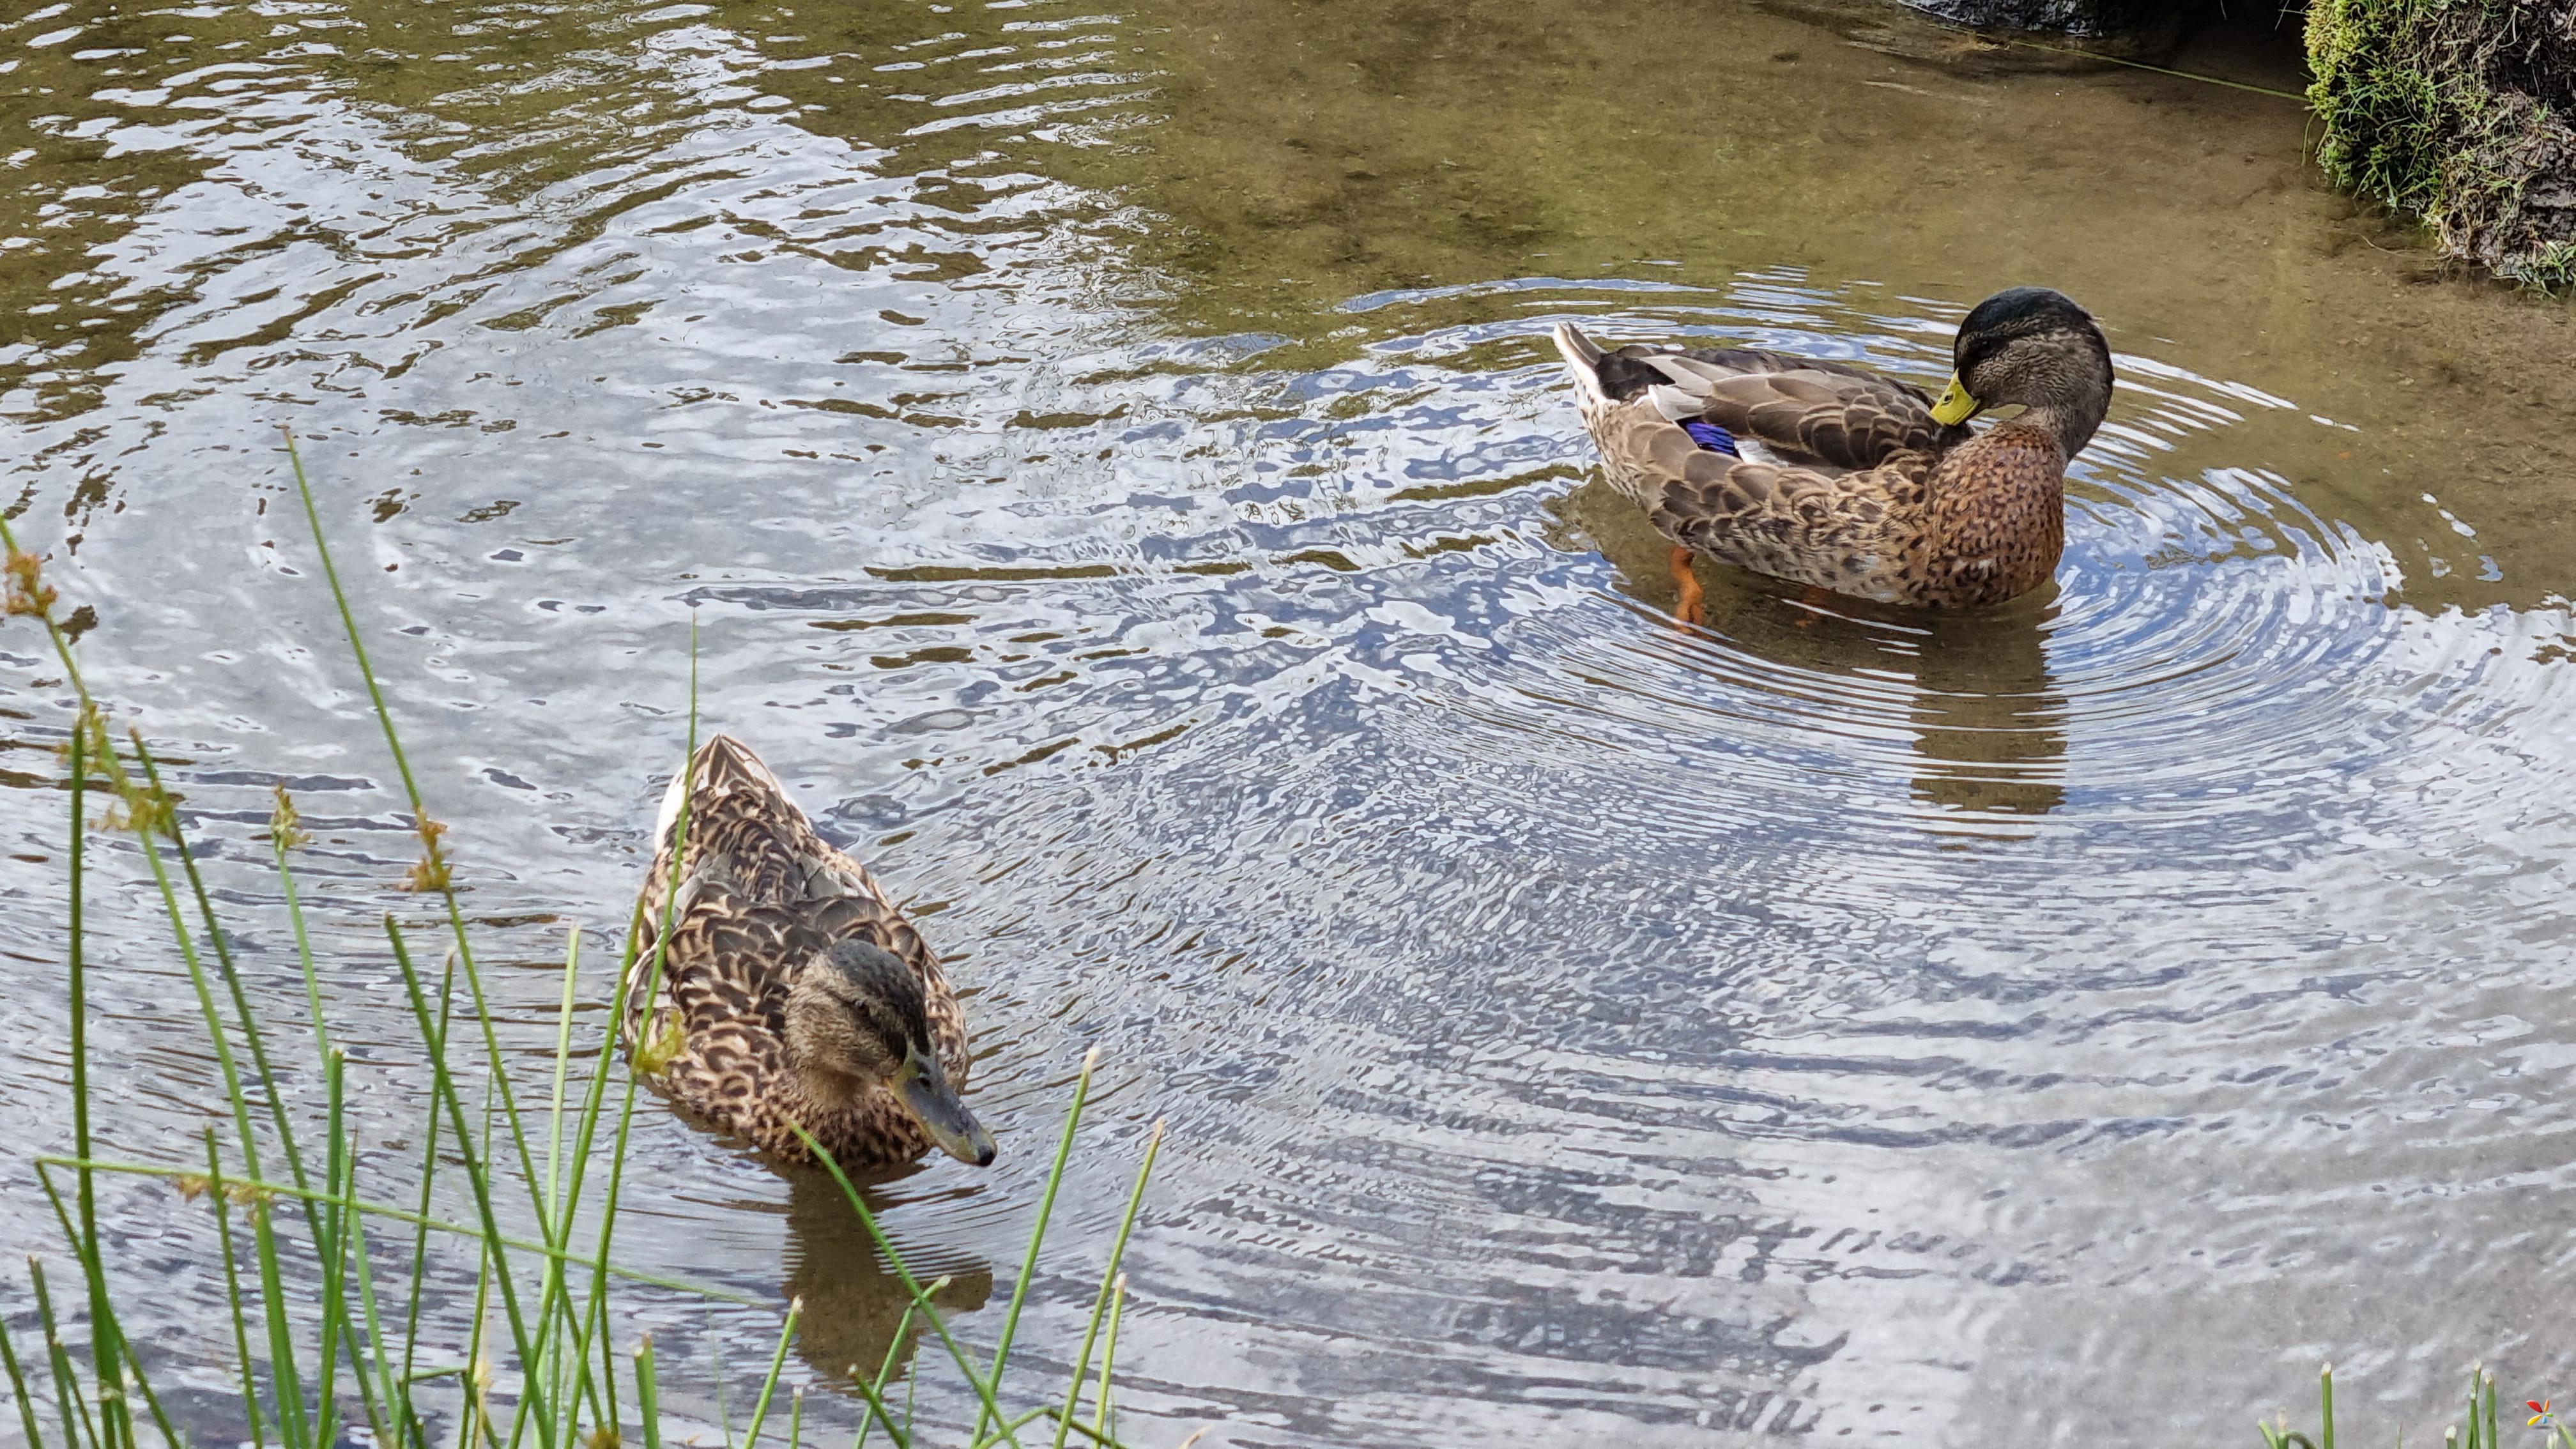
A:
1570, 1025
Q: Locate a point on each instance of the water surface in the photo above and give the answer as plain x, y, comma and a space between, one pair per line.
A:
1109, 451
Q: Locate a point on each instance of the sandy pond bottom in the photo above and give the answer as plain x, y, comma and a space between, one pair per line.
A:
1110, 453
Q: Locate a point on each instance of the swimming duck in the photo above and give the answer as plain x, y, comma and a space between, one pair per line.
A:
792, 990
1834, 476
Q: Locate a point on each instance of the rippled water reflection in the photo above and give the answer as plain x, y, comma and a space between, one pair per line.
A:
1112, 458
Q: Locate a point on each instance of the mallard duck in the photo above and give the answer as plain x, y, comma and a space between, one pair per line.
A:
792, 991
1833, 476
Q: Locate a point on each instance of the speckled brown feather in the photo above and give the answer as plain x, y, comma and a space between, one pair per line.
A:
1805, 410
1870, 496
761, 895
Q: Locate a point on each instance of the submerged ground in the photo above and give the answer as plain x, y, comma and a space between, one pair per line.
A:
1110, 453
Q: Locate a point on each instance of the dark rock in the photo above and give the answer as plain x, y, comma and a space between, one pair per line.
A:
2071, 17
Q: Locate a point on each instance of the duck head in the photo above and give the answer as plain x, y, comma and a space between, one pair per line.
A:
856, 1015
2032, 347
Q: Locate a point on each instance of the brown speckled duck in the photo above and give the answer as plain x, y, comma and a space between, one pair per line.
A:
1833, 476
792, 991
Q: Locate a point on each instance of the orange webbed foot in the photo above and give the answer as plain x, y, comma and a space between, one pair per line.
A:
1686, 608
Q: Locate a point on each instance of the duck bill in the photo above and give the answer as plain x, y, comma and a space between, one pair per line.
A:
923, 1085
1956, 405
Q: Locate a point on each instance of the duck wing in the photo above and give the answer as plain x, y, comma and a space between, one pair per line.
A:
1861, 532
1808, 411
732, 957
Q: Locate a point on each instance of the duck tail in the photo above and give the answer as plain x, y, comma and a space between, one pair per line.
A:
1583, 360
723, 766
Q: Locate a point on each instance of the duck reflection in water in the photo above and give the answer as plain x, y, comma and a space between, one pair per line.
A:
1990, 730
854, 1303
1989, 723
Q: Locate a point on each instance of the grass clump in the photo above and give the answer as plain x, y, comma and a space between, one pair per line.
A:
2480, 1426
2462, 112
330, 1275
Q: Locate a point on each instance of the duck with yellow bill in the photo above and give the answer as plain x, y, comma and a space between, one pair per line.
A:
1844, 479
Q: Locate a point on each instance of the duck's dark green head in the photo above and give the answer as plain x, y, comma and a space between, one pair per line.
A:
2031, 346
857, 1011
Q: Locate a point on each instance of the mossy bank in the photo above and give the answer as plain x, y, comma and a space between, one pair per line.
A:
2462, 112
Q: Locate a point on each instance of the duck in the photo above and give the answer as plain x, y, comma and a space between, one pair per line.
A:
777, 986
1849, 481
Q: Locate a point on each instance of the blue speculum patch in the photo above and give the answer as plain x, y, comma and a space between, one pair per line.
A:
1713, 438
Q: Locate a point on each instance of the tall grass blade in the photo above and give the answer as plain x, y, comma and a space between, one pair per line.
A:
563, 1068
437, 1050
1085, 1430
2325, 1395
216, 1036
715, 1351
386, 1398
77, 1425
1108, 1278
286, 1384
475, 1367
553, 1305
1100, 1413
334, 1258
103, 1355
18, 1388
769, 1382
282, 834
894, 1350
645, 1403
1037, 1233
233, 1290
876, 1388
878, 1413
1027, 1418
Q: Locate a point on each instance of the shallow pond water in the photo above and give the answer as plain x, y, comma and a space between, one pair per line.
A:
1110, 453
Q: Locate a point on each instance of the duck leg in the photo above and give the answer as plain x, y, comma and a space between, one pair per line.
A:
1815, 598
1686, 581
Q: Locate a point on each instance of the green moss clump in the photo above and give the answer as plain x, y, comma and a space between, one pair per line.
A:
2457, 111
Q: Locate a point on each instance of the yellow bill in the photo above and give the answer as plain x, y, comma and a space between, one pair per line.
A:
1955, 406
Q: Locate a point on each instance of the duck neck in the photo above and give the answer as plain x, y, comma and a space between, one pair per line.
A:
813, 1099
2071, 417
821, 1088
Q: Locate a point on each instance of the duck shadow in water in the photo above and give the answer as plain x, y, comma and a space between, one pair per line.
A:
854, 1303
1989, 721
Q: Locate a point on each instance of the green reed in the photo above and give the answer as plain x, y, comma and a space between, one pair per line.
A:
2480, 1425
326, 1343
